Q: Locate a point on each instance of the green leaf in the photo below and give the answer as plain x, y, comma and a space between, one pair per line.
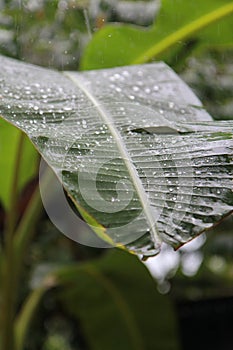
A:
118, 304
144, 319
202, 22
9, 137
133, 147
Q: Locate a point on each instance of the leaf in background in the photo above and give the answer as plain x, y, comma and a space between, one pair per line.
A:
176, 22
133, 147
9, 137
118, 304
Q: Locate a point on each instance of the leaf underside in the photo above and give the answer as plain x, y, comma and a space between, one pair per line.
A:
133, 147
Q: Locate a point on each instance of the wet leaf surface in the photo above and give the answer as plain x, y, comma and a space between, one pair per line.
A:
133, 147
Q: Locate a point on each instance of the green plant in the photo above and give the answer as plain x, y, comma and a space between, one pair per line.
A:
182, 28
44, 104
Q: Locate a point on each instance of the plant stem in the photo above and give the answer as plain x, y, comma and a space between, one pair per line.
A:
22, 236
25, 317
9, 271
24, 230
184, 33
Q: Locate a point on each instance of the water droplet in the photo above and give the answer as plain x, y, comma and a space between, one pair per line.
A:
117, 76
125, 73
135, 88
67, 108
131, 97
155, 88
171, 104
84, 124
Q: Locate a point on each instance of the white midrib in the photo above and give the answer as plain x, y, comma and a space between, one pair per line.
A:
125, 156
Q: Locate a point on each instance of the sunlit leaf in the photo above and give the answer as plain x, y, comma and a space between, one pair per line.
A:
133, 147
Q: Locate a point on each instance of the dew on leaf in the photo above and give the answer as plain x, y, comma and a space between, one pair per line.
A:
131, 97
151, 155
156, 88
136, 88
67, 108
125, 73
171, 104
84, 124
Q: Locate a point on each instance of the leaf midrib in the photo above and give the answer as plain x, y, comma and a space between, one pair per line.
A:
124, 156
183, 33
